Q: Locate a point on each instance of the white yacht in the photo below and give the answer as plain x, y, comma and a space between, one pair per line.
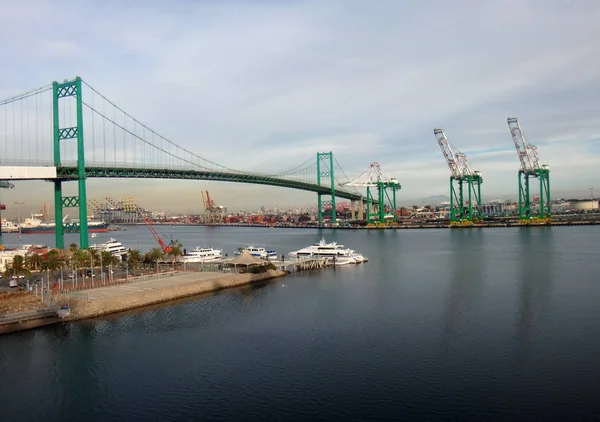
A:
203, 255
338, 254
259, 252
113, 246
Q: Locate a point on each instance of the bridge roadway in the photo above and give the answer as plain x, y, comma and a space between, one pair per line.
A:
70, 173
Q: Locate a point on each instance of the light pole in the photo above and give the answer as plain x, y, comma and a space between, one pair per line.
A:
18, 204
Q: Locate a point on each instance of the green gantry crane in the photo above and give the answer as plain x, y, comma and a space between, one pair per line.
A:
530, 168
464, 209
383, 207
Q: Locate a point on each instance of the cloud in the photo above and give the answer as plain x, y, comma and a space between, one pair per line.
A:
265, 85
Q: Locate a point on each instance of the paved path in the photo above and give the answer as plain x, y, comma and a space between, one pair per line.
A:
148, 285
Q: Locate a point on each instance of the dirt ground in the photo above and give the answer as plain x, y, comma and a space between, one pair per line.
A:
19, 301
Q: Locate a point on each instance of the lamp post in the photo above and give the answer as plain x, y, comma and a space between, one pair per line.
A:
18, 204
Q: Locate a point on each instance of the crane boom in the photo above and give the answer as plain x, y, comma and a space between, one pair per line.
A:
204, 200
449, 155
211, 203
528, 158
166, 249
463, 164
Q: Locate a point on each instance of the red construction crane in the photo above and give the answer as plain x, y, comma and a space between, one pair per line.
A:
165, 248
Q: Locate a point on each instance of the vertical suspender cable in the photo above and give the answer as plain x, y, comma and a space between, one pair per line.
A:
22, 150
115, 134
37, 144
93, 113
134, 141
124, 139
104, 130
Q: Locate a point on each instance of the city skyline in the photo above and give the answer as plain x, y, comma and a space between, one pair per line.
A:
263, 87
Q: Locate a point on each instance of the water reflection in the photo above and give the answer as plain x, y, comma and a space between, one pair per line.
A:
535, 261
465, 278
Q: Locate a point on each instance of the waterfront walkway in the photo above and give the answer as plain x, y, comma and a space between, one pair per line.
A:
152, 284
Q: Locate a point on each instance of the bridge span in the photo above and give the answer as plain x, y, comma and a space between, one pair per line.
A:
44, 140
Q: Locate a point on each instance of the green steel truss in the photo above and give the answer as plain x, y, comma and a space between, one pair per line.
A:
382, 202
325, 174
525, 210
71, 173
59, 91
465, 210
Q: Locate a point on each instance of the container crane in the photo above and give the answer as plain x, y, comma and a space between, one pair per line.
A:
374, 177
213, 213
462, 212
530, 168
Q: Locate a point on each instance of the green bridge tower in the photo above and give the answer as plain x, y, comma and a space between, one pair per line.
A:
63, 93
325, 174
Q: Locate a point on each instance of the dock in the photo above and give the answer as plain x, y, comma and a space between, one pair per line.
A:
305, 264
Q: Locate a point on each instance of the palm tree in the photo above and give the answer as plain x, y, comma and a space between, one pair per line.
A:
73, 247
53, 262
16, 268
134, 258
176, 250
34, 261
108, 260
80, 258
155, 255
95, 258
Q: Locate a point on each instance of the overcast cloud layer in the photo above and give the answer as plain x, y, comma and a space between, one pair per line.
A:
263, 85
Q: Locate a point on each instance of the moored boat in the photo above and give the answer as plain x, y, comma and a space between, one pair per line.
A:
34, 225
335, 253
113, 246
259, 252
199, 254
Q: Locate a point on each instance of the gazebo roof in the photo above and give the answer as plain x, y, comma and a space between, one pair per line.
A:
245, 259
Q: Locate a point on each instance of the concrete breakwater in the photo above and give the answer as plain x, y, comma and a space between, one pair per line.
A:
107, 300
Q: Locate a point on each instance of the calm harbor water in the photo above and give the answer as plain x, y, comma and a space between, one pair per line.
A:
482, 324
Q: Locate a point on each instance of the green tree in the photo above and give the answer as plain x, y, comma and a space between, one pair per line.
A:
94, 257
109, 260
176, 251
16, 267
134, 258
154, 256
80, 259
53, 262
73, 247
34, 261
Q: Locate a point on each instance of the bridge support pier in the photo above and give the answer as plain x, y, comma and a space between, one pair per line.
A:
325, 173
63, 91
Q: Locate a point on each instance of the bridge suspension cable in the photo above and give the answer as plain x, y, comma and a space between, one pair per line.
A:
144, 128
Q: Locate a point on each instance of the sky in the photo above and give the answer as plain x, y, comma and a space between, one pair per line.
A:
265, 85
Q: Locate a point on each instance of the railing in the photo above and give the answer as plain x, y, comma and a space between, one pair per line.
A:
76, 291
27, 315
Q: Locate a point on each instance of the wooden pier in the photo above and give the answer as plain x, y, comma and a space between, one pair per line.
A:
305, 264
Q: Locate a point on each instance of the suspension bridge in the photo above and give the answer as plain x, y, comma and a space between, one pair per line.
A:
42, 133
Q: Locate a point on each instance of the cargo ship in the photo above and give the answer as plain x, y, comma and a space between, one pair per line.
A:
34, 225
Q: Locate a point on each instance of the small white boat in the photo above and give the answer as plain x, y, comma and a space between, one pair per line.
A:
199, 254
259, 252
336, 254
94, 235
63, 312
